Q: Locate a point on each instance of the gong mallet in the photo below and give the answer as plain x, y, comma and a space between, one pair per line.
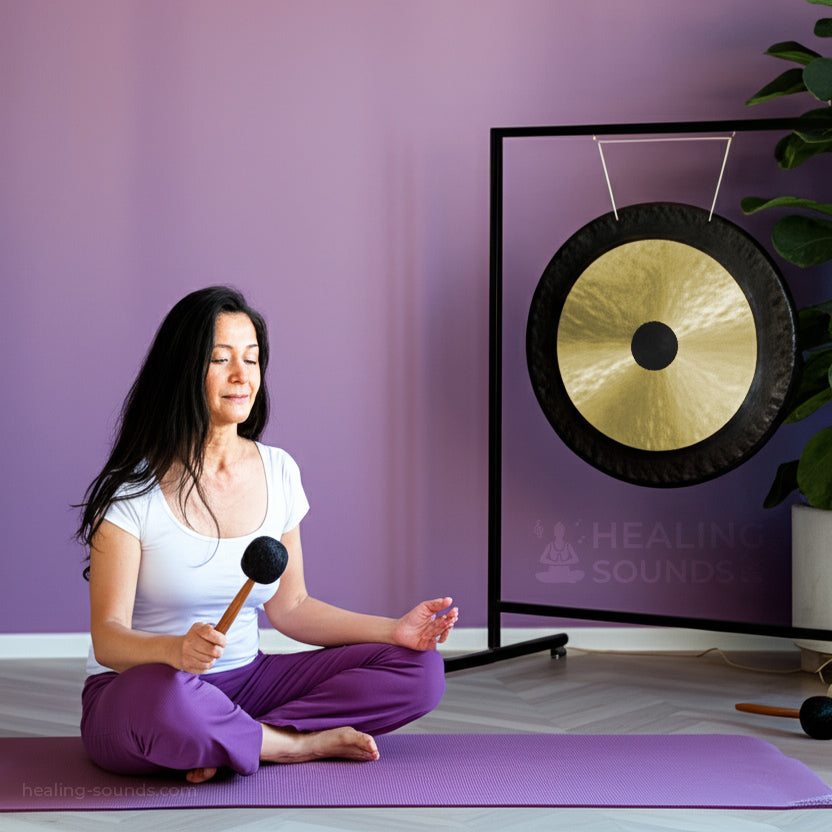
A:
815, 715
263, 563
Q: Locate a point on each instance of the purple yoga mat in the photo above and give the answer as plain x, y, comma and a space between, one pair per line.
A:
704, 771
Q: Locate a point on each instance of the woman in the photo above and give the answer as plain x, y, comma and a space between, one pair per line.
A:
186, 488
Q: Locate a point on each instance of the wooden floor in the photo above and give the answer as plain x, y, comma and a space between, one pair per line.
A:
585, 693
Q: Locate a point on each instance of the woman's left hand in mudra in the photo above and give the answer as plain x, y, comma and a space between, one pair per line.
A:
423, 627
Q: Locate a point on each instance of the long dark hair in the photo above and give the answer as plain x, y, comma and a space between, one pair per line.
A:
164, 419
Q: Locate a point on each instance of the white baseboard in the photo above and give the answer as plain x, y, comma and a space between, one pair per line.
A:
463, 639
44, 645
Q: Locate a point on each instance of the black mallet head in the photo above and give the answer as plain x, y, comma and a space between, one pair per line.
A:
264, 560
816, 717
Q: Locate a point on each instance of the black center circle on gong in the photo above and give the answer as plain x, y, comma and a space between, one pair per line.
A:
654, 345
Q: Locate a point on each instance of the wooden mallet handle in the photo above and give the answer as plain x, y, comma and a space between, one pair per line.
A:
234, 607
768, 710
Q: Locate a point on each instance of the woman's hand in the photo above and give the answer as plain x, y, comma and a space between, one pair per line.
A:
423, 628
202, 645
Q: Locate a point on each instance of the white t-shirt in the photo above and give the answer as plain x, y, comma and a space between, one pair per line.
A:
185, 577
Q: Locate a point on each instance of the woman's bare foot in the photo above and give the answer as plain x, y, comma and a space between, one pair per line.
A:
200, 775
285, 745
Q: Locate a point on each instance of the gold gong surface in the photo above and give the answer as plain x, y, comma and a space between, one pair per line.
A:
703, 386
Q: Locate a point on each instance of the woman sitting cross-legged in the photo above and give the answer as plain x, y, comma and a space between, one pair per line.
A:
186, 488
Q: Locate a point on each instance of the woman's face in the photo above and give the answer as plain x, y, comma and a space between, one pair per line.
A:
234, 370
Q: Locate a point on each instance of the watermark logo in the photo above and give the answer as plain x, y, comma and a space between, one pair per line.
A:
560, 559
627, 552
59, 789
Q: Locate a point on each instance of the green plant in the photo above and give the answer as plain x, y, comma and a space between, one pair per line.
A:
805, 239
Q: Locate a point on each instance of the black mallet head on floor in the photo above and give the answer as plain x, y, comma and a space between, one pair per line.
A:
816, 717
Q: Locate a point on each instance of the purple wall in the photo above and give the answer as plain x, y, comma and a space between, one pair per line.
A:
330, 159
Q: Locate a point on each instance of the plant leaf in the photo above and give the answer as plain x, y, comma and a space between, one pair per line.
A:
814, 376
785, 482
814, 470
787, 83
813, 390
823, 28
791, 50
817, 76
814, 324
808, 407
818, 135
820, 2
822, 113
804, 241
817, 366
752, 204
792, 150
809, 131
824, 307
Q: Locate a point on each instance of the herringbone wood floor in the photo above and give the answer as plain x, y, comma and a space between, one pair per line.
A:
584, 693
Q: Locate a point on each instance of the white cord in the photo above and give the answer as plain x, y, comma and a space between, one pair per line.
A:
607, 175
699, 655
726, 139
721, 171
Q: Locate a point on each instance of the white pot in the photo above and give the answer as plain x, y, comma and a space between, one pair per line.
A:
812, 573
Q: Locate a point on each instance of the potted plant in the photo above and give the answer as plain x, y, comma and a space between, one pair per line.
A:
804, 237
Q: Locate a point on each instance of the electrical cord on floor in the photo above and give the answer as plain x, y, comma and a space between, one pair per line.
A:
699, 655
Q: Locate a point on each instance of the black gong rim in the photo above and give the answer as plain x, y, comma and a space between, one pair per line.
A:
772, 308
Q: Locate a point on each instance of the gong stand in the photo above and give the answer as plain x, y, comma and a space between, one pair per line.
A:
677, 456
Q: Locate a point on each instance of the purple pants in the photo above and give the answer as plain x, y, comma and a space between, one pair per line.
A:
152, 717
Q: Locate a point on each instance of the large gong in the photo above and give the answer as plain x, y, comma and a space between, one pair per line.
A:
662, 344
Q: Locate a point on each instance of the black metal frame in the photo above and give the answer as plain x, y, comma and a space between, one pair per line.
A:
496, 604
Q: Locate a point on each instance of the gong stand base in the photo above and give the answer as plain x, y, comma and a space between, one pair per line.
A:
556, 645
